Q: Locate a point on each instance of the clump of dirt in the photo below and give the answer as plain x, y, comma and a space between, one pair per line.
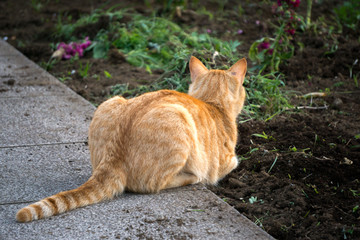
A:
300, 180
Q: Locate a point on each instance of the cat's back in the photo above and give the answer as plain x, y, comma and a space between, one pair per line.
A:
162, 100
160, 108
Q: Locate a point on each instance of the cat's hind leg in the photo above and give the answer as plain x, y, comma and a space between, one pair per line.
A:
181, 179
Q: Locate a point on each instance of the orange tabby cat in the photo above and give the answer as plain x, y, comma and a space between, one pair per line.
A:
159, 140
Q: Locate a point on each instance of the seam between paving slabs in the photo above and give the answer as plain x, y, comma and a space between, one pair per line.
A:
42, 144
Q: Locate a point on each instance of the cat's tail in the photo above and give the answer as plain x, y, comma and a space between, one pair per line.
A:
96, 189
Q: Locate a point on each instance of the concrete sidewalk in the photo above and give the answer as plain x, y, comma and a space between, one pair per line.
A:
43, 150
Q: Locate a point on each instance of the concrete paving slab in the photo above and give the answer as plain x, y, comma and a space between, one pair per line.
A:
7, 50
28, 174
31, 86
43, 120
187, 213
18, 66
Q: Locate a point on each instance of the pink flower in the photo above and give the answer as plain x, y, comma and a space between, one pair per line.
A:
294, 3
291, 31
73, 48
240, 31
265, 46
208, 30
257, 22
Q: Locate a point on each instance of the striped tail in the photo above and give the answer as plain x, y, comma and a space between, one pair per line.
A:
93, 191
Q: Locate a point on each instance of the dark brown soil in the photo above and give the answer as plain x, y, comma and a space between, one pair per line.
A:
302, 182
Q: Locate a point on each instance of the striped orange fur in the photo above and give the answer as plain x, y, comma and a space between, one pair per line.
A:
159, 140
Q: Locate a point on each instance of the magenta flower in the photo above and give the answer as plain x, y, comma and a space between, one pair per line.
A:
208, 30
73, 48
265, 46
291, 31
294, 3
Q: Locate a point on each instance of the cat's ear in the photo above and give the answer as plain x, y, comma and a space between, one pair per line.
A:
196, 68
238, 70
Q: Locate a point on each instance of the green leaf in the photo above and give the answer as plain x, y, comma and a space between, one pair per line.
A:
100, 50
107, 74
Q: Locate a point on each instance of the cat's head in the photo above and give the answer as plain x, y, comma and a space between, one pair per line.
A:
221, 87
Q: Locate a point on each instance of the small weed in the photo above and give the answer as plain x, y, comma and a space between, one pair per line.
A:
264, 135
349, 231
355, 193
49, 64
295, 149
355, 77
286, 228
355, 209
332, 145
313, 187
37, 5
63, 79
273, 164
107, 74
84, 69
307, 214
252, 199
120, 89
259, 221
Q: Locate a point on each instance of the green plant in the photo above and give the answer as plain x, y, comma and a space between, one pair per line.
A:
264, 94
355, 209
349, 13
252, 199
295, 149
349, 231
263, 135
273, 164
84, 69
313, 187
259, 221
49, 64
107, 74
355, 193
269, 52
37, 5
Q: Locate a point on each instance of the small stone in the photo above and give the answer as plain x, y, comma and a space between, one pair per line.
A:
10, 82
346, 161
337, 103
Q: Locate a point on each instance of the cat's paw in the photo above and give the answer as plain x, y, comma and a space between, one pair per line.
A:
234, 162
